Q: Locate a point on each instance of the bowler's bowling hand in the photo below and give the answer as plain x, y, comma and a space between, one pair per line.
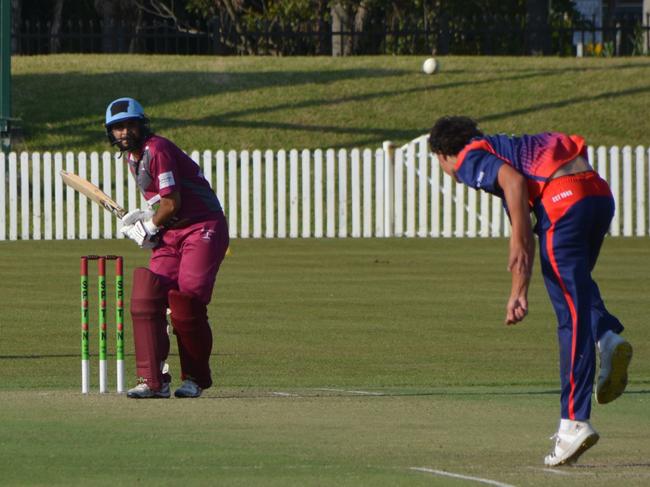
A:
516, 310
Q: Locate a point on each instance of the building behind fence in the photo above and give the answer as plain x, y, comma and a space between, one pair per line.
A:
299, 194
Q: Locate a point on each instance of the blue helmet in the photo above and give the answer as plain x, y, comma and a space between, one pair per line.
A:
126, 109
123, 109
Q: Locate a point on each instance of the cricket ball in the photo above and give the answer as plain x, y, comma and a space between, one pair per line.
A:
430, 66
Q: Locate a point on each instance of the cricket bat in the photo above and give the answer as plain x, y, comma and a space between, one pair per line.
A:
92, 192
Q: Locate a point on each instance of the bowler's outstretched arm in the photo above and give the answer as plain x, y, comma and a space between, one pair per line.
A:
522, 242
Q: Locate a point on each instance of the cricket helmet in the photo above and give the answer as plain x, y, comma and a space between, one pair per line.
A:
126, 109
123, 109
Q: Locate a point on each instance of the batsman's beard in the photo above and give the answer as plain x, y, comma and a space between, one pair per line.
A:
128, 143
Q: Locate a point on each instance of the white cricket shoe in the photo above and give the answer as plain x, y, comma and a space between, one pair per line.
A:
615, 357
571, 441
188, 388
143, 391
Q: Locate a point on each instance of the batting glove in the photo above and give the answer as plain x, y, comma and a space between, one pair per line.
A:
142, 232
136, 215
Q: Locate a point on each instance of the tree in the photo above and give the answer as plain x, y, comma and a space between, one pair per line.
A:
114, 14
537, 13
646, 21
16, 19
347, 16
55, 28
256, 26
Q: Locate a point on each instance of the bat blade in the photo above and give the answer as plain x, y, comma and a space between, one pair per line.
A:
92, 192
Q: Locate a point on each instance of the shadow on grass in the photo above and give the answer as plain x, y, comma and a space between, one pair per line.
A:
563, 69
324, 395
53, 355
79, 96
609, 95
590, 466
288, 393
76, 355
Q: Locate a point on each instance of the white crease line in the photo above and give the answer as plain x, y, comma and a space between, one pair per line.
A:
363, 393
458, 476
283, 394
552, 470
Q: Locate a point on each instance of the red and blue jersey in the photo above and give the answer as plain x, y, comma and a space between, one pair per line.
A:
572, 214
165, 168
536, 157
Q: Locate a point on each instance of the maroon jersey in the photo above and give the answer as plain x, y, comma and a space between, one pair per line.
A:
163, 169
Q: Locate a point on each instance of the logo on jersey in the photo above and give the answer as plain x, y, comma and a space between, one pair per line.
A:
207, 234
561, 196
479, 179
165, 180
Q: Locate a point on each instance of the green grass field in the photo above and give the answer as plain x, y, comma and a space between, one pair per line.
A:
207, 102
337, 362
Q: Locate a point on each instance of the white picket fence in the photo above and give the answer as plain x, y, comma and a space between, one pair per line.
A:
387, 192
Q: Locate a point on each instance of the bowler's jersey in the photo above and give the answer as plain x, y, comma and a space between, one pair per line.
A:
163, 169
537, 157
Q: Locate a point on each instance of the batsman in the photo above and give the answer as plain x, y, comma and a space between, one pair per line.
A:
186, 230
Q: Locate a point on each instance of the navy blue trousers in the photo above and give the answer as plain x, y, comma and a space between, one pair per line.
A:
573, 216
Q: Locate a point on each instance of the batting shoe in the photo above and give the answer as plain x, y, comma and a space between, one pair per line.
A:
188, 389
615, 357
143, 391
572, 440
